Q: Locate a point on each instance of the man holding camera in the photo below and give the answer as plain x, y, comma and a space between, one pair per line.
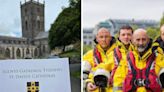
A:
105, 43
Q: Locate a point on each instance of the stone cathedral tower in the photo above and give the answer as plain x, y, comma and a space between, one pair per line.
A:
32, 19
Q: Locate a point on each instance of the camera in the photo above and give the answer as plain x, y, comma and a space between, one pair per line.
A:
101, 81
101, 78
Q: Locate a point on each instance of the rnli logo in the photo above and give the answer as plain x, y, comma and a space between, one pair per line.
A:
32, 86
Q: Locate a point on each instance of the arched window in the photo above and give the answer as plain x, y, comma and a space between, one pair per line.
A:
25, 11
44, 48
1, 50
18, 53
35, 52
27, 51
7, 53
26, 25
38, 22
38, 10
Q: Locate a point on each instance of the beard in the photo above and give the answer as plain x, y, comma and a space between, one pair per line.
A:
141, 48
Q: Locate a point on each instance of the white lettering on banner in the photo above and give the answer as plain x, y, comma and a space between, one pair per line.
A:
27, 73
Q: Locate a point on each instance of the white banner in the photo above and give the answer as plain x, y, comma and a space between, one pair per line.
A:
35, 75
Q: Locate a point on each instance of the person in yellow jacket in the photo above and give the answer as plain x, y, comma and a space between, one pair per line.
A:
105, 43
160, 40
123, 46
124, 38
136, 74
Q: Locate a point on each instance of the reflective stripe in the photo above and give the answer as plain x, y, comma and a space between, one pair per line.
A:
97, 56
152, 66
115, 89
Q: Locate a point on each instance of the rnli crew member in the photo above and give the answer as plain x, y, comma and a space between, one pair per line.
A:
123, 46
141, 68
160, 40
105, 43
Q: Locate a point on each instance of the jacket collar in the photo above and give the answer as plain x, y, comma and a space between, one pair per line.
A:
122, 46
161, 42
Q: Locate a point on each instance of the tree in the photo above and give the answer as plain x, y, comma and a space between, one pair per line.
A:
152, 32
162, 20
134, 27
74, 3
66, 28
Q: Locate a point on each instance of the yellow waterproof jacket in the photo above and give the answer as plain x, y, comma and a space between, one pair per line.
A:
121, 46
89, 57
140, 64
160, 50
110, 63
159, 43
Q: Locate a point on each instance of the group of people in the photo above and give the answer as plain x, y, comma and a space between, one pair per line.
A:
132, 62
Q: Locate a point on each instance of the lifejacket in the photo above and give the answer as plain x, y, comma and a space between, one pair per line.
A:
97, 57
117, 58
145, 77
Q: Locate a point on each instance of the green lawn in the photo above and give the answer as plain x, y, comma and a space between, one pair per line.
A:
71, 54
76, 74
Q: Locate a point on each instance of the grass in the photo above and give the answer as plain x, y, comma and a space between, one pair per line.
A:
71, 53
76, 74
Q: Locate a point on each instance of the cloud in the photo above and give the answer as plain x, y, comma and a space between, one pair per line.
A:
7, 30
10, 28
95, 11
10, 34
10, 18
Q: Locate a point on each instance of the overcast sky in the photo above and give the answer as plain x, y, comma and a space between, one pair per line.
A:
95, 11
10, 18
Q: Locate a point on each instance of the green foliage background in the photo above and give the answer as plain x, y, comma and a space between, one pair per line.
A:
66, 29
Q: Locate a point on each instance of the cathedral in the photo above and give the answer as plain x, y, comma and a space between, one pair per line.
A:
34, 40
